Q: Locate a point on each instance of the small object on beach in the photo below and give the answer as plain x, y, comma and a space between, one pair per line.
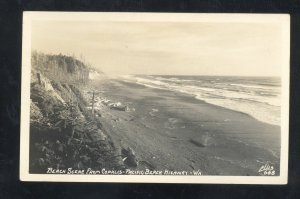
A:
116, 119
152, 112
120, 108
203, 141
132, 109
105, 102
207, 139
129, 157
172, 120
196, 142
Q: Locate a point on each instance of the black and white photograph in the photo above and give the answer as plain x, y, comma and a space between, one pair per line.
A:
155, 97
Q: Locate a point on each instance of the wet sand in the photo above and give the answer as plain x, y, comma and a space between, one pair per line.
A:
175, 131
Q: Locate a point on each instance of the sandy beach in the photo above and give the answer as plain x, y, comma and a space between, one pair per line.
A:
174, 131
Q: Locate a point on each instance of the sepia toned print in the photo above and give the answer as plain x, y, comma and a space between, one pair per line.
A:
165, 98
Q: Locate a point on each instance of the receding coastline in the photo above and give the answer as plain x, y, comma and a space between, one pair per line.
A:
172, 130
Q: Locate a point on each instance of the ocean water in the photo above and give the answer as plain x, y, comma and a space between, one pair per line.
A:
257, 96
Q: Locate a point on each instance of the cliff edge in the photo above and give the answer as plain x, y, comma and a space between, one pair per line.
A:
63, 132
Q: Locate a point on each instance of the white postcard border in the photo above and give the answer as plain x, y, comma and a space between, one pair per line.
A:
28, 17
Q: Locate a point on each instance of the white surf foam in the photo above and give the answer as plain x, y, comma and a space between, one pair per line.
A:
263, 108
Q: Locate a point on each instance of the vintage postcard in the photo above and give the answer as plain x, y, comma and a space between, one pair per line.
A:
155, 97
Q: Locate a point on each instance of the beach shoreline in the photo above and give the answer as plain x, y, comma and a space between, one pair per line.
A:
174, 131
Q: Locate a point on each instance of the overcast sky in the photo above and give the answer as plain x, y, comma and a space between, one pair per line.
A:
193, 48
